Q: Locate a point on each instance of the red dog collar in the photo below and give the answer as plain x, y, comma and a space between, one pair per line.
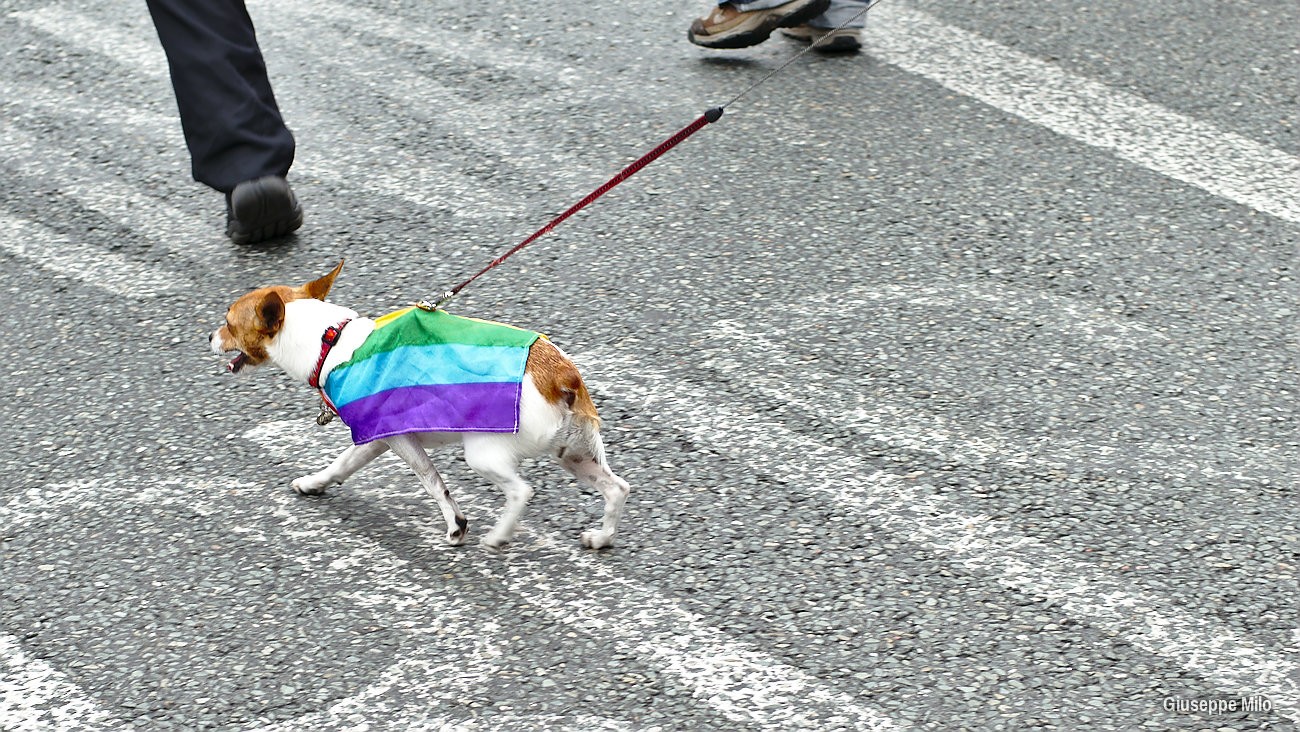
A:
327, 341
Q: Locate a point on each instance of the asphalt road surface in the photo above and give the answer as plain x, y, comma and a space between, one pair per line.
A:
956, 381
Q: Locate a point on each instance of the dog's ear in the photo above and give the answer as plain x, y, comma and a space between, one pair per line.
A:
271, 311
318, 289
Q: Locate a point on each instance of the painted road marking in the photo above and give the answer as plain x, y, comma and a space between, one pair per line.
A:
882, 419
741, 682
479, 124
101, 191
1141, 132
736, 679
975, 542
84, 263
1026, 309
479, 50
1062, 314
35, 697
466, 645
375, 578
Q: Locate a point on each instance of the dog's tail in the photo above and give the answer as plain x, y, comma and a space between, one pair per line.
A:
560, 383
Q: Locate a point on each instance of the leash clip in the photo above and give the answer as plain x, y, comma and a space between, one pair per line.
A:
443, 299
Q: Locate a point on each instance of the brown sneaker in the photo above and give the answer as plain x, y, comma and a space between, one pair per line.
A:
844, 40
727, 27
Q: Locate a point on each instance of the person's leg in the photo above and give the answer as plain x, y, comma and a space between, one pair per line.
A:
232, 125
238, 141
738, 25
842, 11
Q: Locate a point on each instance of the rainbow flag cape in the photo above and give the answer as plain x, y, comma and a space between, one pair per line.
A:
423, 371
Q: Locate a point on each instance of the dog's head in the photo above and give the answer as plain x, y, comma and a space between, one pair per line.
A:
254, 320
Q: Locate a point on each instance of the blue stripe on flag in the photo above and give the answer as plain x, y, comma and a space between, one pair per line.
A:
443, 363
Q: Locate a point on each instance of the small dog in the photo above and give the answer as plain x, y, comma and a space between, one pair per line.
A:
510, 395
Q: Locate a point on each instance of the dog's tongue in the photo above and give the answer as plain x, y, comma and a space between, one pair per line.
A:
236, 363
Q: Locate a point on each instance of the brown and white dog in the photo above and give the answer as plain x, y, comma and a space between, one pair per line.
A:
284, 325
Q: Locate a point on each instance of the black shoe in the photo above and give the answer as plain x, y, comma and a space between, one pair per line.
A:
261, 209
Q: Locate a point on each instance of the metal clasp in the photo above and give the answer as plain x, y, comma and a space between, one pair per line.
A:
431, 306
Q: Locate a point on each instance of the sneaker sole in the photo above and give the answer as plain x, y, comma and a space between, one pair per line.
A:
839, 44
265, 209
842, 43
743, 37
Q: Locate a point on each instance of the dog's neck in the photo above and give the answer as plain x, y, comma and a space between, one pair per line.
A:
297, 347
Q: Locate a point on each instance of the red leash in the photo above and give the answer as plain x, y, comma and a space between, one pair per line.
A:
711, 115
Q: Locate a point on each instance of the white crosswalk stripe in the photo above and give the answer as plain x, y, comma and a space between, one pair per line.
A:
1215, 160
1061, 320
87, 264
35, 696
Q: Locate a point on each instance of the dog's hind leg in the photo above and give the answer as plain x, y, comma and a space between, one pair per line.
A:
409, 449
493, 458
585, 459
348, 462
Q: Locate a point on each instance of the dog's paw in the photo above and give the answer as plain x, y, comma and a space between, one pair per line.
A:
595, 539
456, 536
310, 485
492, 541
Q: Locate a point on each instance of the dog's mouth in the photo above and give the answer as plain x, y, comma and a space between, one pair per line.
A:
237, 363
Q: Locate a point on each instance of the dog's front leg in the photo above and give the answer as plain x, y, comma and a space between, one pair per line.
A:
348, 462
408, 448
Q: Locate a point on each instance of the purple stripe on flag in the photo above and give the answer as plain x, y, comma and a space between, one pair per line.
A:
482, 407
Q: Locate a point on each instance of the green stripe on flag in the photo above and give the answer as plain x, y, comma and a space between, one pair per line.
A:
419, 327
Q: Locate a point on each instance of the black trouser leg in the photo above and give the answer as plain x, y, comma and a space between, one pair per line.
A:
232, 125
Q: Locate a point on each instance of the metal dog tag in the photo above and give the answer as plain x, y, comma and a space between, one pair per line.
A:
325, 416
